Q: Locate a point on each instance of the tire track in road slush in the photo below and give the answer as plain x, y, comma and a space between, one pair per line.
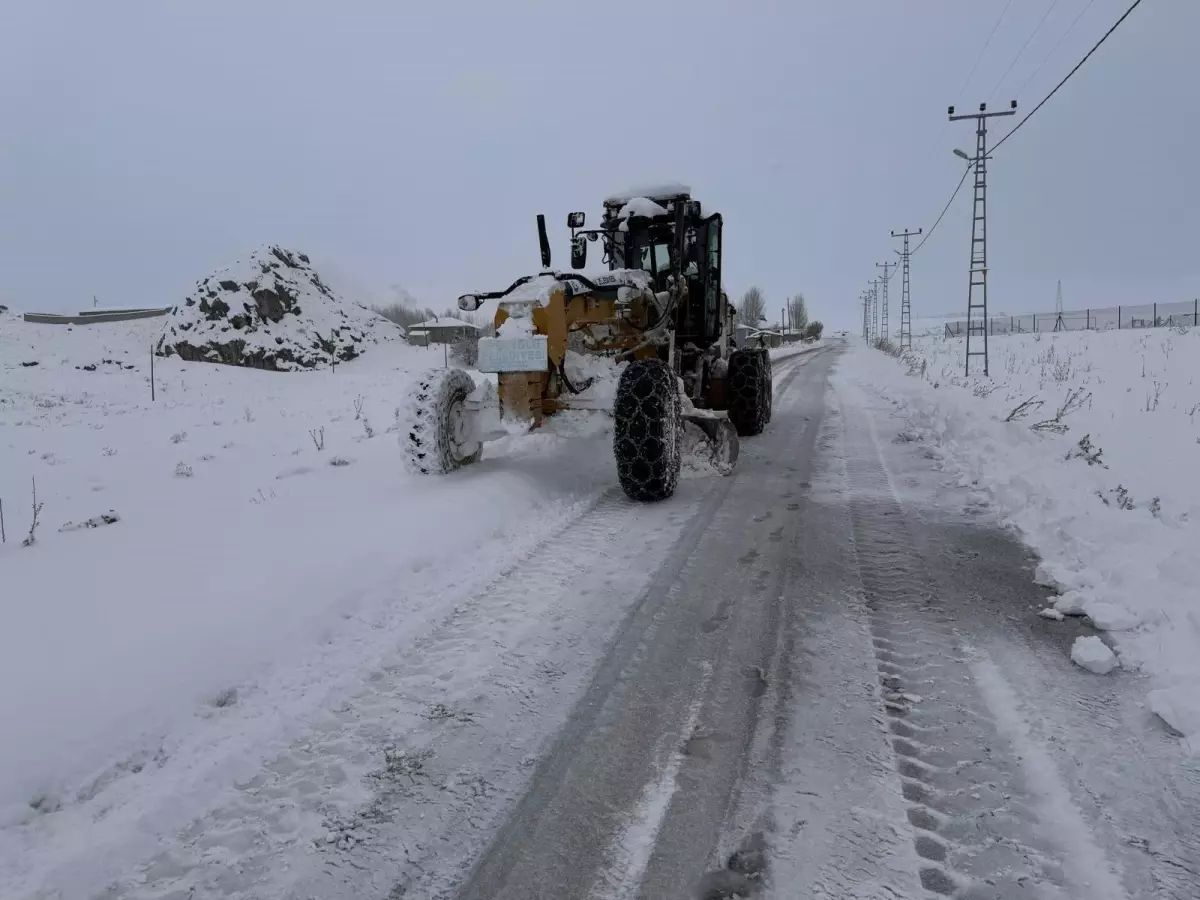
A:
980, 822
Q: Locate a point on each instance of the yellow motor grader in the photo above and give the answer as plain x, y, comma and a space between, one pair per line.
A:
658, 314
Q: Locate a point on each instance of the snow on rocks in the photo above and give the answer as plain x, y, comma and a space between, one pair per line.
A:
1115, 532
108, 518
1093, 654
271, 311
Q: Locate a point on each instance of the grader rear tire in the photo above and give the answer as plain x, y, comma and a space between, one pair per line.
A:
434, 434
646, 430
749, 391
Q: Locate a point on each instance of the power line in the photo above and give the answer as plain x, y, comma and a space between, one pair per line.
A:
1057, 44
1024, 47
963, 180
942, 215
1078, 65
986, 44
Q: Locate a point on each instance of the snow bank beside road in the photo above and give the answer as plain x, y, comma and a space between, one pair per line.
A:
1096, 471
269, 547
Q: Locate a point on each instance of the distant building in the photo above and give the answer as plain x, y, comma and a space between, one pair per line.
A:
440, 330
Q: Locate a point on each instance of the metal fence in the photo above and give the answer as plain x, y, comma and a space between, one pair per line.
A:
1146, 315
91, 317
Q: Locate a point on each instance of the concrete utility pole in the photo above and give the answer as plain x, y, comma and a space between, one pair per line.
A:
977, 308
905, 294
883, 300
865, 299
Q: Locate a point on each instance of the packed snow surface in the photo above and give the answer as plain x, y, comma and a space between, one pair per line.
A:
1086, 442
271, 311
211, 571
1093, 654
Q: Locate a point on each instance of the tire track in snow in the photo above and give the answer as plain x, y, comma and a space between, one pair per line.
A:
839, 819
973, 802
630, 851
559, 839
443, 737
440, 734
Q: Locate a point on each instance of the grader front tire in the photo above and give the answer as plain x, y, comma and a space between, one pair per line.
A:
750, 392
646, 429
434, 432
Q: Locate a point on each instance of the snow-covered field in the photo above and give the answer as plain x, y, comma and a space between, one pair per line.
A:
268, 552
1087, 443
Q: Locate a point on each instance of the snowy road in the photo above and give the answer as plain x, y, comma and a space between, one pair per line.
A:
835, 687
821, 677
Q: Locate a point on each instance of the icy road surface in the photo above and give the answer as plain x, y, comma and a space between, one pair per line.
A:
822, 677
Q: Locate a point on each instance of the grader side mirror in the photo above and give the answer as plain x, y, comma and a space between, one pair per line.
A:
469, 303
578, 251
576, 219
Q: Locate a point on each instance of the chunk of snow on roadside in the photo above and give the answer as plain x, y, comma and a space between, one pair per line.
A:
1180, 709
1070, 604
1112, 616
1043, 577
1093, 654
1051, 614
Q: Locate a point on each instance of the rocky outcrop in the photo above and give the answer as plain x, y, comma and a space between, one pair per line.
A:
271, 311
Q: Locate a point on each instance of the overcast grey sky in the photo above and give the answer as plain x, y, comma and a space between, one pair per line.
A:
143, 144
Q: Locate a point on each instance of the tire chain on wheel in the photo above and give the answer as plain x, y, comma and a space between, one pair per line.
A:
749, 391
646, 418
769, 383
425, 421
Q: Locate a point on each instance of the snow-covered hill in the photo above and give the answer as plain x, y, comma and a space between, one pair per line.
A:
1088, 443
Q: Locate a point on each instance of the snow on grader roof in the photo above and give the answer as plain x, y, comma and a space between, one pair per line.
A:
641, 206
666, 191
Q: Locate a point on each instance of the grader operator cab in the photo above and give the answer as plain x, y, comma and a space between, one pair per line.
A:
660, 318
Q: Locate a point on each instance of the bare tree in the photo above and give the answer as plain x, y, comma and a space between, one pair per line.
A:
753, 307
798, 313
